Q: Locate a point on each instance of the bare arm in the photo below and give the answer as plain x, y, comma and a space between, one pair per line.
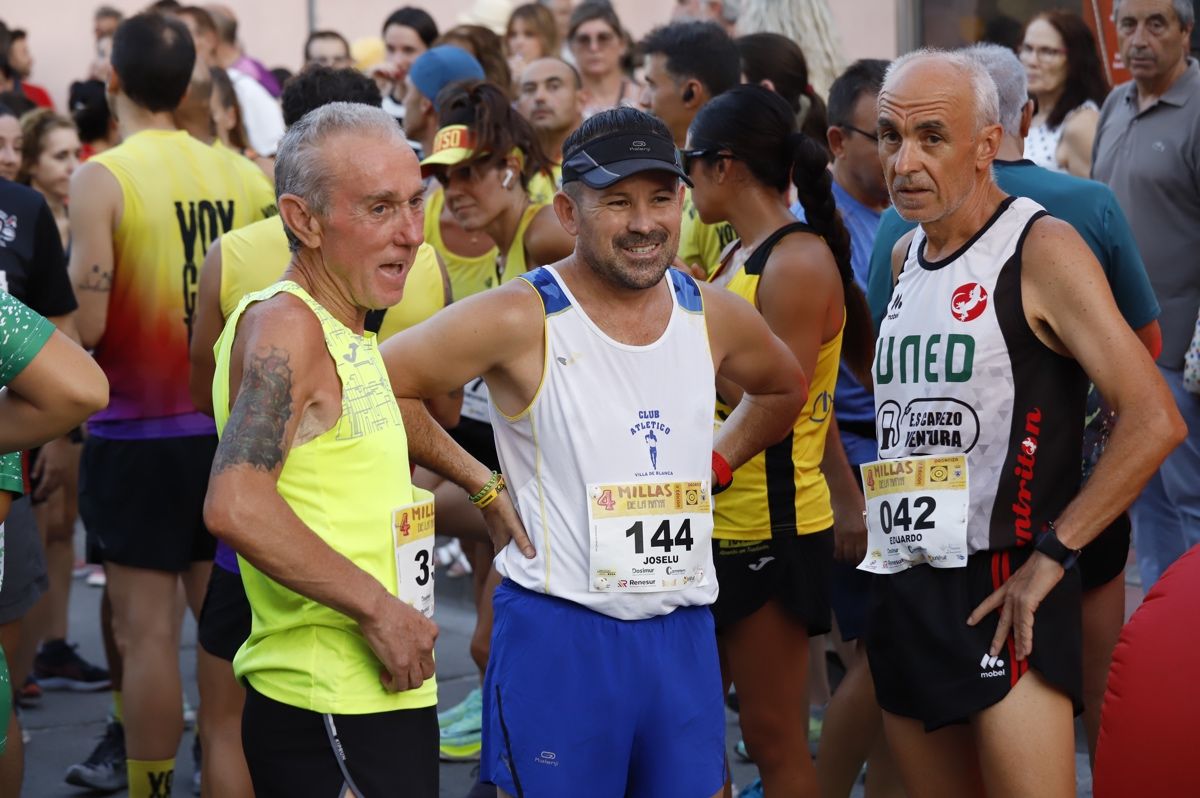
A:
430, 447
55, 392
1069, 300
849, 526
1069, 305
284, 381
545, 239
95, 210
496, 334
208, 326
1079, 135
747, 354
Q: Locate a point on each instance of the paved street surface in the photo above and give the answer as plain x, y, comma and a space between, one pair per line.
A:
65, 727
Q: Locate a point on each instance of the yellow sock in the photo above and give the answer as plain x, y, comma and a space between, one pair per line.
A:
118, 706
150, 778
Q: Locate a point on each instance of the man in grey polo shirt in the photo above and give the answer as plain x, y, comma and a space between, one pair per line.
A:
1148, 151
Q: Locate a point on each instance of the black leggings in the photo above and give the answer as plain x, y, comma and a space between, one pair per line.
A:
295, 752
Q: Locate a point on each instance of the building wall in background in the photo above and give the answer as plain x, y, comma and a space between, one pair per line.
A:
60, 31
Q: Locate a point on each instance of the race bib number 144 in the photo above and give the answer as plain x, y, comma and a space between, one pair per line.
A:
649, 537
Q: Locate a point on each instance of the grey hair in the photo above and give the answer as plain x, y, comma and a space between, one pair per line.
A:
301, 170
987, 100
1185, 10
1012, 84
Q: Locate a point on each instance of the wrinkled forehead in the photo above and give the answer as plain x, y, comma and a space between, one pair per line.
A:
926, 90
370, 164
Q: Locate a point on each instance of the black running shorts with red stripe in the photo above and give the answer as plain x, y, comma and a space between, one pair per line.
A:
929, 665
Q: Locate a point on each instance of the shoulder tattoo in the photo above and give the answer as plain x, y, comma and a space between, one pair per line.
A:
254, 433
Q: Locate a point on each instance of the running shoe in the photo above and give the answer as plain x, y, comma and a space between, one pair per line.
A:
189, 715
451, 559
30, 695
97, 578
752, 790
104, 769
460, 742
740, 750
58, 666
471, 706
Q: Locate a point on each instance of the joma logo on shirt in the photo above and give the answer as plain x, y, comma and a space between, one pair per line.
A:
924, 358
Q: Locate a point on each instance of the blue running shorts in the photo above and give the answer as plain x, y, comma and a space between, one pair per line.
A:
577, 703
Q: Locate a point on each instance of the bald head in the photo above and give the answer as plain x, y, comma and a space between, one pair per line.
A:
954, 71
939, 132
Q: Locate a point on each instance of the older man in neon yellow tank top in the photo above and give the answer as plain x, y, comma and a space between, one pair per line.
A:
310, 484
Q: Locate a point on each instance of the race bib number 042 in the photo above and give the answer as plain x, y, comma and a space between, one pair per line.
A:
649, 537
916, 513
412, 534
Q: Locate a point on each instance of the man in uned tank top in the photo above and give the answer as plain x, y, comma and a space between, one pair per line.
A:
974, 512
603, 678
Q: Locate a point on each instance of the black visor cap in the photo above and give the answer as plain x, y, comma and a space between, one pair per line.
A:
601, 162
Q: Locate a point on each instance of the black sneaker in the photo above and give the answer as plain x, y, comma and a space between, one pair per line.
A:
58, 666
104, 769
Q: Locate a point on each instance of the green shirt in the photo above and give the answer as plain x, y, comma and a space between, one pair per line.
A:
23, 333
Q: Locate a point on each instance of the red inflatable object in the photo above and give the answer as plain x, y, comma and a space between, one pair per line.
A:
1150, 725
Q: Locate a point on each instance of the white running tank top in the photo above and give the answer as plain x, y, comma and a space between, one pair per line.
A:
959, 371
606, 412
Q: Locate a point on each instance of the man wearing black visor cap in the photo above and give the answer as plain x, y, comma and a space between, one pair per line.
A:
603, 678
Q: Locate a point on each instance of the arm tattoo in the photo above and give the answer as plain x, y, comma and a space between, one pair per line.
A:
254, 433
96, 280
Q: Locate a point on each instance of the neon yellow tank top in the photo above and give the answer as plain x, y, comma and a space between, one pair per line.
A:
344, 485
543, 187
255, 257
515, 263
468, 276
782, 490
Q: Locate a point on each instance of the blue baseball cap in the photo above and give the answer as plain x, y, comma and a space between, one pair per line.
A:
437, 68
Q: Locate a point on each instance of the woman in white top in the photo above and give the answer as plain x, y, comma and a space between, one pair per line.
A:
1068, 83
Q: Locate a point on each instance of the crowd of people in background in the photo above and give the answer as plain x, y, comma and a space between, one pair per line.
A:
151, 219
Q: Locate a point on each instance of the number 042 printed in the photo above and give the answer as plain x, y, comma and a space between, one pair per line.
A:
916, 513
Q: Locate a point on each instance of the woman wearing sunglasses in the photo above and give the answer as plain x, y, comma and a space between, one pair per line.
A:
773, 541
598, 47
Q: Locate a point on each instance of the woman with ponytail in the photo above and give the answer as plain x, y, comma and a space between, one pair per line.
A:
773, 541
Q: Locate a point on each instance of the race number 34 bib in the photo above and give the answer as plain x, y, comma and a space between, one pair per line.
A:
916, 513
412, 534
649, 537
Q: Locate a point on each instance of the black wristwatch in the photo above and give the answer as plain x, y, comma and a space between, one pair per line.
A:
1049, 544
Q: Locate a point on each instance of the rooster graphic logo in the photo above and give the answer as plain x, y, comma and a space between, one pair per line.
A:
968, 302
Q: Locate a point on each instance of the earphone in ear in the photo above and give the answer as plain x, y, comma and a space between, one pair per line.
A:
508, 176
689, 94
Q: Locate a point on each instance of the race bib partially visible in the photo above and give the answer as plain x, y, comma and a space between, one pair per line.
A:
916, 512
412, 535
475, 401
649, 537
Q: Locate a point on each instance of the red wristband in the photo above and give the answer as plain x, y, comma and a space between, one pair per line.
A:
723, 472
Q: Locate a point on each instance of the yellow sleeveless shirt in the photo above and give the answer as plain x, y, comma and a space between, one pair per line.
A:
179, 194
468, 276
344, 486
255, 257
781, 490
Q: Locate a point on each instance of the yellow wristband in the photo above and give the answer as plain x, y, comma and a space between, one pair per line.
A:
491, 495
